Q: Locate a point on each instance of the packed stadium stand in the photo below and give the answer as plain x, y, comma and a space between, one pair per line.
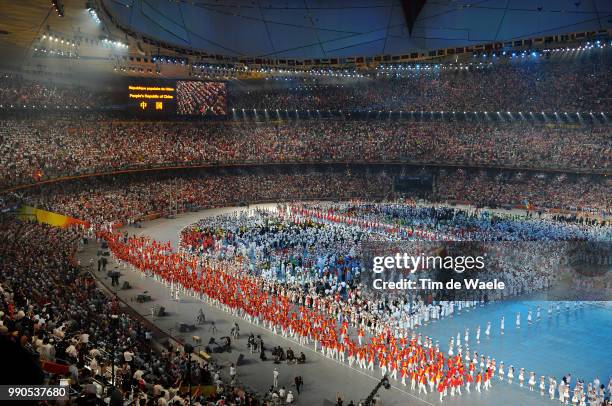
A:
49, 148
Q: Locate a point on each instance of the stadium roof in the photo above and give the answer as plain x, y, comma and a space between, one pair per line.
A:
271, 29
326, 29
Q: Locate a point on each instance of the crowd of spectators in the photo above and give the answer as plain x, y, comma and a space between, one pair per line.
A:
53, 309
572, 84
125, 198
558, 191
18, 91
34, 150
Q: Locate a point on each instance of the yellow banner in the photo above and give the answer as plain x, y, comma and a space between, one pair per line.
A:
29, 213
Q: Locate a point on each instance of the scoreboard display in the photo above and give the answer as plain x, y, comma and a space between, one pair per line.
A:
152, 98
182, 97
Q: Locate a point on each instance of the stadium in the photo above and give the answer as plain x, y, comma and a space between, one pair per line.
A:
270, 202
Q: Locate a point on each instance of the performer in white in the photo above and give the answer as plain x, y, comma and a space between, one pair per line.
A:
552, 384
529, 317
561, 390
532, 381
510, 374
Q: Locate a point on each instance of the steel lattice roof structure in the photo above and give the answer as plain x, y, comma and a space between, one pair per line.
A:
348, 28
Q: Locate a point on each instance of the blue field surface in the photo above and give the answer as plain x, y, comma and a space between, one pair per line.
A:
575, 341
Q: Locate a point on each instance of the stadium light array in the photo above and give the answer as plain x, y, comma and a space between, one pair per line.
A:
94, 15
58, 7
60, 40
117, 44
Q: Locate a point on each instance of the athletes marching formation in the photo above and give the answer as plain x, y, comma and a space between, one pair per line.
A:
333, 316
414, 360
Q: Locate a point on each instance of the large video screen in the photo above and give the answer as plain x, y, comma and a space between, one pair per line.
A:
201, 98
178, 97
